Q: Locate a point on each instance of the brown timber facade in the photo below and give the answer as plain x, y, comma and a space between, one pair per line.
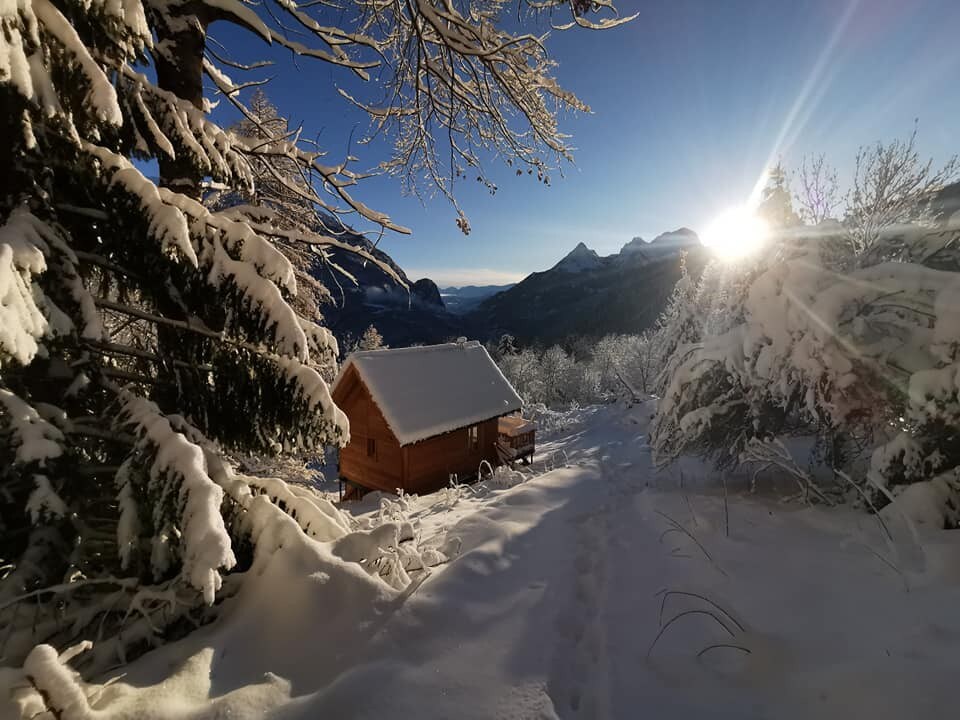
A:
374, 459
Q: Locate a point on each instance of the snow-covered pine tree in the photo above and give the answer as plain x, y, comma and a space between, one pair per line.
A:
506, 345
776, 203
141, 332
869, 357
722, 288
706, 406
371, 339
678, 325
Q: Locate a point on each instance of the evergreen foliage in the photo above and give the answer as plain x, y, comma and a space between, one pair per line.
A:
826, 336
371, 339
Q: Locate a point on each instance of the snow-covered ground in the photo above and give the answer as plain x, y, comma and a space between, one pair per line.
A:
596, 589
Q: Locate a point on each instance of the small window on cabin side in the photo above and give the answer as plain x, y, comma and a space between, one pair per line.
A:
473, 437
371, 447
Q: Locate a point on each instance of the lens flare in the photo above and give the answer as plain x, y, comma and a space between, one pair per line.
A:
735, 234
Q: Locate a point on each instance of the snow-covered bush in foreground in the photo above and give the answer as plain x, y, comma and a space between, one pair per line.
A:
143, 333
846, 331
865, 358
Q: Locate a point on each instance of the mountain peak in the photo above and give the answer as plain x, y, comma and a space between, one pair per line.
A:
578, 259
663, 245
681, 237
635, 245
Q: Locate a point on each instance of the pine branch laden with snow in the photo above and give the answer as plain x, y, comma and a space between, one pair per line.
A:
52, 685
177, 468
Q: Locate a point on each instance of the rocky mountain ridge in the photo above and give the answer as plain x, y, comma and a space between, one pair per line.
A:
590, 295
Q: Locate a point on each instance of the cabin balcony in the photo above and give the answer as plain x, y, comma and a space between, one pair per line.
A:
516, 439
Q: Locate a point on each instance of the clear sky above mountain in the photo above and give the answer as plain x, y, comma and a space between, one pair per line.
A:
690, 103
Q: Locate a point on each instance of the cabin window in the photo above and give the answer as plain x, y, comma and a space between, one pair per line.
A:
371, 447
473, 437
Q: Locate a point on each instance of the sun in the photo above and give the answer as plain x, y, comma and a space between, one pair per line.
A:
736, 234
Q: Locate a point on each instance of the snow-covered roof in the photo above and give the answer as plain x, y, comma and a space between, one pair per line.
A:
427, 391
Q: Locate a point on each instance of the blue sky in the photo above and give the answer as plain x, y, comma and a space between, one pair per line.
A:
690, 102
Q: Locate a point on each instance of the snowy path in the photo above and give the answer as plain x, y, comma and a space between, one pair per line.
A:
553, 606
578, 678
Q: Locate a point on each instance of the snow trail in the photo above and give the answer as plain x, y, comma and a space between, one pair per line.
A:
577, 680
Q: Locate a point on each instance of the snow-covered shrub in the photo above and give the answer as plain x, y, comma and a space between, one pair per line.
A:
817, 349
934, 503
549, 421
505, 477
552, 376
863, 357
394, 509
618, 366
449, 496
596, 371
388, 545
892, 195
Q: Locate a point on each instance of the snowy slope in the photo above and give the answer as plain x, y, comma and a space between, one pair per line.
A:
555, 608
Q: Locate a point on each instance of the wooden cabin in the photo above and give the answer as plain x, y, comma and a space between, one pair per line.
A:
420, 415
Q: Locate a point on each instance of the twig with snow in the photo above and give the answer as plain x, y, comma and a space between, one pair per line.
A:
726, 506
717, 618
773, 452
686, 499
677, 527
869, 502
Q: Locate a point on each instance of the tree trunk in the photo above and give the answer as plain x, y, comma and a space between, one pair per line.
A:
179, 62
10, 178
178, 54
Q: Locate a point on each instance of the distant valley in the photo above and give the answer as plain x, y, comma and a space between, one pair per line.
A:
461, 300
